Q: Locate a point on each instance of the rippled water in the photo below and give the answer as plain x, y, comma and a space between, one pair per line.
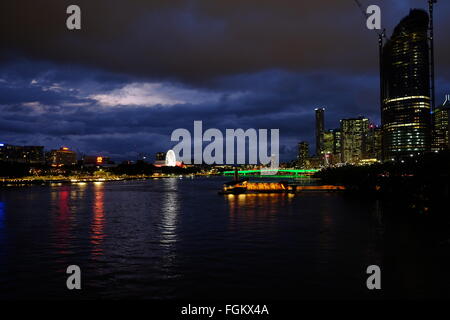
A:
177, 238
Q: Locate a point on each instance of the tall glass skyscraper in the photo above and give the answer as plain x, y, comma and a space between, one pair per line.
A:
406, 107
441, 122
320, 127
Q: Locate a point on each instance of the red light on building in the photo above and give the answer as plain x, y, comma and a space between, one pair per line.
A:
179, 164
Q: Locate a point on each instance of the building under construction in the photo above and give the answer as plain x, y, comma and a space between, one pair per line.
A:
406, 88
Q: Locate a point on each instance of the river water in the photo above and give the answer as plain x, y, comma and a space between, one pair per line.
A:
178, 239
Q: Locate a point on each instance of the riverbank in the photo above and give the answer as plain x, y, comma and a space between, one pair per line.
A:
44, 180
420, 184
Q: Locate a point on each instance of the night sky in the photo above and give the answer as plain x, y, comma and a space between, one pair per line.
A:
140, 69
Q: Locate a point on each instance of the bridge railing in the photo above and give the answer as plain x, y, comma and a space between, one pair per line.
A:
284, 172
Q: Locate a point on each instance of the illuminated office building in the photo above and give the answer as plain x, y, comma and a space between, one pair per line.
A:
353, 139
328, 142
96, 161
406, 108
62, 157
374, 143
303, 154
22, 154
441, 128
331, 155
337, 142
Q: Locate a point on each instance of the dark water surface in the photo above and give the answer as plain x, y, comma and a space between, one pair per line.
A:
178, 239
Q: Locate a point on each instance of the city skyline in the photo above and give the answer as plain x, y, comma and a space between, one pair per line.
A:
195, 153
116, 112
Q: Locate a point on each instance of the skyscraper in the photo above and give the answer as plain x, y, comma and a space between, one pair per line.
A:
441, 122
406, 108
337, 143
373, 143
328, 142
320, 127
328, 147
353, 139
303, 154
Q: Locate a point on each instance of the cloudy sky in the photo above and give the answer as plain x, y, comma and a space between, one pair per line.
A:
140, 69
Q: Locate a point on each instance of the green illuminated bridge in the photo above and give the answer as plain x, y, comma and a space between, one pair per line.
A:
280, 173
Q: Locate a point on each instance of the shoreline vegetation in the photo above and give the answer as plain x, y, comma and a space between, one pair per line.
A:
36, 180
14, 174
417, 183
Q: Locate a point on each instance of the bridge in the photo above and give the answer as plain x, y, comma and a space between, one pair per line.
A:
280, 173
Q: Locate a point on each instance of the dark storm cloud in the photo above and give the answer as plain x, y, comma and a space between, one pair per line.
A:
140, 69
203, 39
54, 110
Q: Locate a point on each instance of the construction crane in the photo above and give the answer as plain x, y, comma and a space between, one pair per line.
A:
381, 35
431, 36
366, 15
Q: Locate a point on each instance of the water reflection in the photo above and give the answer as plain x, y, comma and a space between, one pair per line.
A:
79, 191
2, 228
326, 242
2, 218
164, 239
98, 220
61, 197
169, 208
376, 233
63, 203
253, 207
